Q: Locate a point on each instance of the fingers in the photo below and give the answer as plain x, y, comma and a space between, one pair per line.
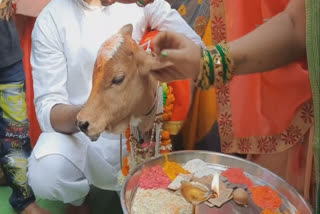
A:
167, 40
140, 3
107, 2
175, 56
143, 3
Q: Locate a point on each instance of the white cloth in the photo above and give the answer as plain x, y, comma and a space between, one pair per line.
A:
65, 42
52, 183
99, 161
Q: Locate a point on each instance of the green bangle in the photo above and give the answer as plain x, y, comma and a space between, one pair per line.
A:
224, 62
211, 73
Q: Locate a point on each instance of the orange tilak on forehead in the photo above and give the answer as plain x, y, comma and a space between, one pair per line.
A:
107, 51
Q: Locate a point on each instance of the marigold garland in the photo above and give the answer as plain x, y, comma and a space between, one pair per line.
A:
165, 147
125, 168
168, 107
128, 141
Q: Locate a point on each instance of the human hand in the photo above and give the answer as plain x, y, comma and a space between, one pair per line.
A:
180, 52
34, 208
140, 3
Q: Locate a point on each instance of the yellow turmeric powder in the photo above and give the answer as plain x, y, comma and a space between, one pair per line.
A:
173, 169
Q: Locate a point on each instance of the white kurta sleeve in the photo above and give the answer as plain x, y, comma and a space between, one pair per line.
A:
161, 17
49, 69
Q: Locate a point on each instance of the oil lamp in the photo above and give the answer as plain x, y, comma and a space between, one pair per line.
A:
196, 192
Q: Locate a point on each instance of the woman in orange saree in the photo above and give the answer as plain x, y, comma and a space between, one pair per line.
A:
267, 115
264, 114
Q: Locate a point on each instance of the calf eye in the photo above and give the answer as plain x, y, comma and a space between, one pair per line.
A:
118, 80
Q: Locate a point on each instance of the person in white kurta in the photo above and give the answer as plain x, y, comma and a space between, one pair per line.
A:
65, 42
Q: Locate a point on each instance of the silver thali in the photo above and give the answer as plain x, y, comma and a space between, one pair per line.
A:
292, 200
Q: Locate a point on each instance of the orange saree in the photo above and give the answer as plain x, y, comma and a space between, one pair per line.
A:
266, 115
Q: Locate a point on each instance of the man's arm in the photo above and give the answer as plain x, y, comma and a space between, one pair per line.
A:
54, 112
63, 118
276, 43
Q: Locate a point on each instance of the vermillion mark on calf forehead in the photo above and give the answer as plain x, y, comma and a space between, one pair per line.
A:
106, 52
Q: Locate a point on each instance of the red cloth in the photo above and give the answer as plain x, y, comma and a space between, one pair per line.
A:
35, 130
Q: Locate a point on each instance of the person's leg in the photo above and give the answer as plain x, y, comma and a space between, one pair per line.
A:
54, 177
15, 143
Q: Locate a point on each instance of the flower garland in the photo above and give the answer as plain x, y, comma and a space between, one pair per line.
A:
165, 146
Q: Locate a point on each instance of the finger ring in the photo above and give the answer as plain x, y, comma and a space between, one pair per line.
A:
140, 3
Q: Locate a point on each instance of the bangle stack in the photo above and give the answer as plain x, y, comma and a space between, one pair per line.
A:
206, 75
216, 67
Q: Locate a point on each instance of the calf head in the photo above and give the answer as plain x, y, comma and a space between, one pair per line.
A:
122, 87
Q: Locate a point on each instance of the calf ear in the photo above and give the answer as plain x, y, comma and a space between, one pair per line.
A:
126, 30
152, 63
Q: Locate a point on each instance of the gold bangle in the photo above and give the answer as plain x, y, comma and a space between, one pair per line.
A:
223, 64
199, 77
205, 77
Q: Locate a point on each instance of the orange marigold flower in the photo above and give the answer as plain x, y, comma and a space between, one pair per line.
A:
126, 161
168, 108
128, 146
166, 116
125, 170
170, 99
166, 142
165, 135
128, 133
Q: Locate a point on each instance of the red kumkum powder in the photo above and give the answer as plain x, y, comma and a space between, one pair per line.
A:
265, 197
236, 176
154, 178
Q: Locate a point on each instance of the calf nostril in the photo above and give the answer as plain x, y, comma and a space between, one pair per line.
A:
83, 126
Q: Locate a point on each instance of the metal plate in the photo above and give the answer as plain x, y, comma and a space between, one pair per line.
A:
292, 200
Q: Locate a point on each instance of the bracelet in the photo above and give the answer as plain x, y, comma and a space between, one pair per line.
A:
225, 61
205, 77
218, 66
197, 81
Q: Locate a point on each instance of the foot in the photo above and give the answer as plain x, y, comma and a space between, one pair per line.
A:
34, 209
82, 209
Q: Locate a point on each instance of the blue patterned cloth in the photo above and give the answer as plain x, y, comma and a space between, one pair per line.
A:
195, 12
15, 145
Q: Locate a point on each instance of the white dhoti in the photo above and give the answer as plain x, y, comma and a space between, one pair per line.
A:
62, 167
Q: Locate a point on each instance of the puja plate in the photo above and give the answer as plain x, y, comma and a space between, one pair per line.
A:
292, 200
